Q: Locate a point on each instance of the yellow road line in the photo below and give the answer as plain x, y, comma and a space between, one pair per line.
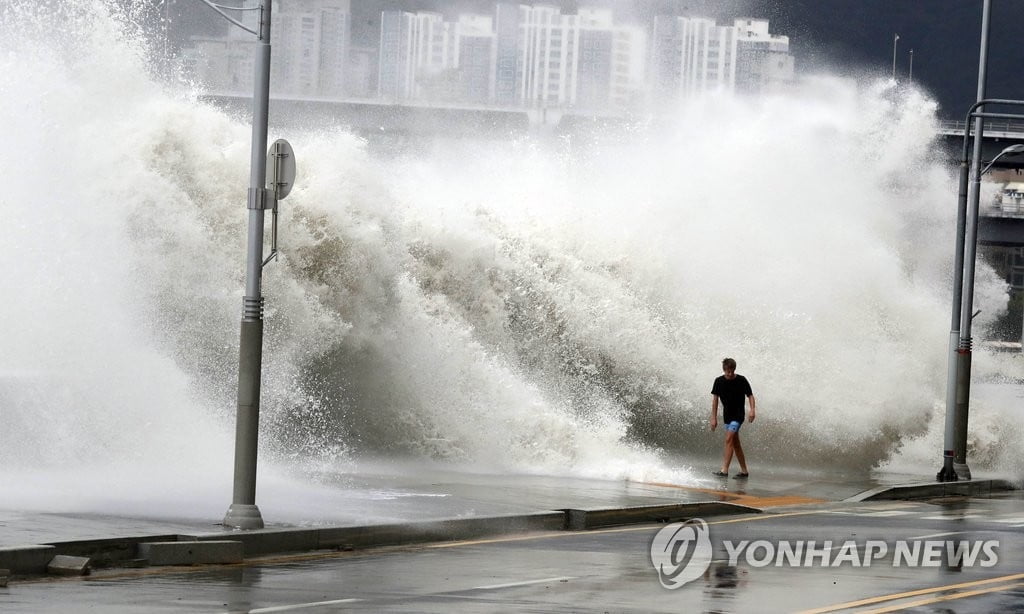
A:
915, 593
920, 602
742, 498
769, 516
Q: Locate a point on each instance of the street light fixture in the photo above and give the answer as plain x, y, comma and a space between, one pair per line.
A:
1009, 151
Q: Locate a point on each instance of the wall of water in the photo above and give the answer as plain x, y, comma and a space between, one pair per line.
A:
533, 305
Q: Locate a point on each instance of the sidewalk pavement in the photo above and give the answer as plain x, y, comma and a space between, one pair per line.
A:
437, 504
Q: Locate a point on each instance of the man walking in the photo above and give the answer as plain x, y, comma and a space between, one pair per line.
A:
731, 388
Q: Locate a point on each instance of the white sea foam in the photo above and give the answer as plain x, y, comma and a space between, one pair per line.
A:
536, 305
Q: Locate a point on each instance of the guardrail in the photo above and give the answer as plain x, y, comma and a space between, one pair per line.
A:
952, 126
1004, 209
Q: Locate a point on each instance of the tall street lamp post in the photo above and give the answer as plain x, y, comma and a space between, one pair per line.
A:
243, 512
959, 355
958, 381
895, 37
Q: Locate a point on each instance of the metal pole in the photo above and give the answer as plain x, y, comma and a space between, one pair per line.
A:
243, 513
895, 37
970, 253
947, 473
910, 75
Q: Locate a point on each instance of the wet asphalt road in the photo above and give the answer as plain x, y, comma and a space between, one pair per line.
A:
596, 571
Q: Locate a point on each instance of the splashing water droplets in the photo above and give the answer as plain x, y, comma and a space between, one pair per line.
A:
526, 306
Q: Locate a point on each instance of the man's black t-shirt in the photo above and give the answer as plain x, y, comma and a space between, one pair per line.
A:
732, 393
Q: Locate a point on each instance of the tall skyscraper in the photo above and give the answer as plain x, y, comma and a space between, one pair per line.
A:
424, 57
395, 80
416, 49
475, 59
507, 60
763, 59
691, 55
310, 47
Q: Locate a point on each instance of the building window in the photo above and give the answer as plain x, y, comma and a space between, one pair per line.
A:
1017, 278
1018, 257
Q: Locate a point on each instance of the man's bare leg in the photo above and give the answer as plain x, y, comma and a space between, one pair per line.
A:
739, 453
730, 437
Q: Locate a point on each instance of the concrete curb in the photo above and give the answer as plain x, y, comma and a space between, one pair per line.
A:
179, 549
604, 517
930, 490
191, 552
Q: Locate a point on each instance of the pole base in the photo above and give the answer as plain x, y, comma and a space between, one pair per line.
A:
946, 474
962, 470
243, 516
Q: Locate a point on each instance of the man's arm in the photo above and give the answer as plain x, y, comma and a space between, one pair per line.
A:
753, 407
714, 411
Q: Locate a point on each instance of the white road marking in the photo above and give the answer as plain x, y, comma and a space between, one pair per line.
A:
938, 535
523, 583
301, 606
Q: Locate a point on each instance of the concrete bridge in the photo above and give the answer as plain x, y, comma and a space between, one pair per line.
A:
997, 225
388, 123
998, 135
418, 118
1001, 228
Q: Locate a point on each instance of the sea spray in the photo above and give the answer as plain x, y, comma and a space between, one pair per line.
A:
550, 305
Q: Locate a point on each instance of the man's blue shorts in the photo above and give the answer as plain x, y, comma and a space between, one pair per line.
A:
733, 427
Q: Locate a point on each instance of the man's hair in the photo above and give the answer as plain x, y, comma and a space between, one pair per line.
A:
729, 363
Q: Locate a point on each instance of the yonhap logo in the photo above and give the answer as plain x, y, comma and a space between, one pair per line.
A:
681, 552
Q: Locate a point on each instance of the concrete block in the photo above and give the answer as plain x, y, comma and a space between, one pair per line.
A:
191, 552
580, 519
31, 559
111, 551
270, 541
64, 565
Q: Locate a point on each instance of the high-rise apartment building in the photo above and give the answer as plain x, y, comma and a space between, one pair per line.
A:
507, 63
583, 61
310, 45
416, 50
547, 56
763, 59
475, 59
424, 57
310, 42
691, 55
521, 55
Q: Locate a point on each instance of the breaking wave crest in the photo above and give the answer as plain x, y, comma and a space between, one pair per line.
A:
541, 304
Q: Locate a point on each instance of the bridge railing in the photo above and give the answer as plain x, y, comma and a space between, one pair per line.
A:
953, 126
1014, 209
